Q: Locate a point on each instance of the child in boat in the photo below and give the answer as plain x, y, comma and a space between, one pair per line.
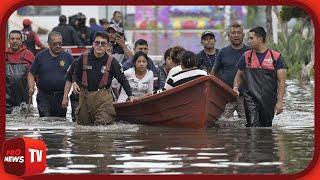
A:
165, 68
189, 63
139, 78
175, 60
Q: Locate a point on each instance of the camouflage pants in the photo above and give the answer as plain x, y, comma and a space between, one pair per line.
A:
95, 108
235, 106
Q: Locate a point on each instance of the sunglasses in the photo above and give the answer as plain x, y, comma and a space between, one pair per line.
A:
100, 43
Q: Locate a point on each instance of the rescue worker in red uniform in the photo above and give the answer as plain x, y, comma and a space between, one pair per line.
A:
31, 39
263, 73
18, 62
93, 74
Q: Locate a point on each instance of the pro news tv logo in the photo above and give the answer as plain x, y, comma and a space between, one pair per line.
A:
24, 156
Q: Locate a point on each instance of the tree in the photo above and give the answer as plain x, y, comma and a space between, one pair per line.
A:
289, 12
268, 11
253, 16
296, 51
286, 14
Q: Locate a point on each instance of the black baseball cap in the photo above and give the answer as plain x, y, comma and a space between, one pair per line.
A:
207, 33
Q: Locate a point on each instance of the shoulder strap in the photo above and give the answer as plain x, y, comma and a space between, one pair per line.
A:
84, 69
274, 55
273, 60
250, 58
105, 76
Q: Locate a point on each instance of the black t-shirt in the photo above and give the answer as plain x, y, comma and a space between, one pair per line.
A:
206, 61
51, 70
227, 61
94, 72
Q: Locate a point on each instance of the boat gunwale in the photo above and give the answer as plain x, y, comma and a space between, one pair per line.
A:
178, 89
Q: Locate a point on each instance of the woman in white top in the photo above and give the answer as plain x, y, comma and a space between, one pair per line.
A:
139, 77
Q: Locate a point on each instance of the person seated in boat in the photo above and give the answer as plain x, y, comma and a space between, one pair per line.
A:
190, 71
175, 56
141, 45
139, 78
165, 68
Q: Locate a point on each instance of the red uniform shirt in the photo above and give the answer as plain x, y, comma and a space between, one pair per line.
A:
15, 57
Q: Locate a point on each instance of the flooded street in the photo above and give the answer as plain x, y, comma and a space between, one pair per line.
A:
123, 148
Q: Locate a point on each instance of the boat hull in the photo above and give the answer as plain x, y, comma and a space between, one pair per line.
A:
196, 104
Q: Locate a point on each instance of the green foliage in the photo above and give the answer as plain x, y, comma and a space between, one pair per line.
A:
295, 50
288, 12
252, 16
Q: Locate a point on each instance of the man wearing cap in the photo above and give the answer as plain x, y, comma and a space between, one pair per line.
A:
208, 55
18, 61
30, 38
68, 33
120, 51
225, 67
49, 67
262, 71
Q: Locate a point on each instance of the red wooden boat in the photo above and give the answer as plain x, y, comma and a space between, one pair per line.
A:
196, 104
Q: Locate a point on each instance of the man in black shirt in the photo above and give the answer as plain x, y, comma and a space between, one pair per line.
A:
209, 53
74, 97
49, 68
225, 67
68, 33
93, 73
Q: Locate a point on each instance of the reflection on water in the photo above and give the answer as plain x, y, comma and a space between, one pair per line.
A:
287, 147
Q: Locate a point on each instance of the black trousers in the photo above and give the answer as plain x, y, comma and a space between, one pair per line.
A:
49, 104
74, 99
257, 113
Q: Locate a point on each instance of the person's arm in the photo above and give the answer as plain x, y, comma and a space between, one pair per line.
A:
237, 81
66, 91
281, 75
150, 86
240, 73
31, 83
120, 40
118, 74
34, 69
38, 42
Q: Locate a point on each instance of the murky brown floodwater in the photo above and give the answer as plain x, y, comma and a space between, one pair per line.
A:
122, 148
